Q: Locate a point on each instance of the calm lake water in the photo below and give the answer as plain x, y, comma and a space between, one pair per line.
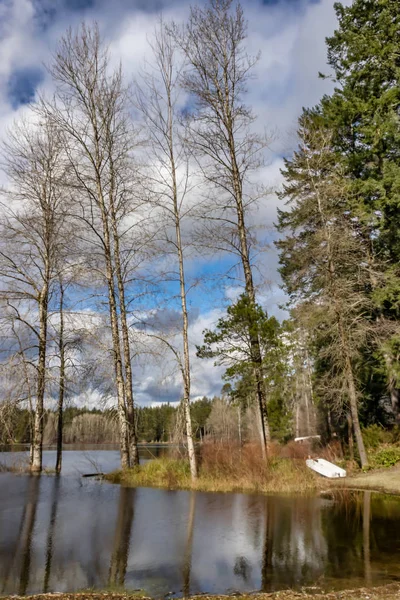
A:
68, 533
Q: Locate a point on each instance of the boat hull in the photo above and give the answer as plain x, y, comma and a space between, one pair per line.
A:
325, 468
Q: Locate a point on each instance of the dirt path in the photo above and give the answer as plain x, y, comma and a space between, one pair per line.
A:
384, 480
386, 592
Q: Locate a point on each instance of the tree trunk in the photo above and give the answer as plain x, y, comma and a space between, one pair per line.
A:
133, 449
240, 426
61, 389
261, 430
119, 377
189, 437
182, 287
37, 449
354, 413
395, 399
186, 356
255, 348
122, 417
350, 436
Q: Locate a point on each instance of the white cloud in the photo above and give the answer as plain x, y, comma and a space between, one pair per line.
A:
291, 37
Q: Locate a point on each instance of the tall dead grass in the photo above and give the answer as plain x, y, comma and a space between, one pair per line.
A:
226, 466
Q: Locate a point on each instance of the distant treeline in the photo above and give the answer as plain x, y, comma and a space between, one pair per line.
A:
93, 426
216, 417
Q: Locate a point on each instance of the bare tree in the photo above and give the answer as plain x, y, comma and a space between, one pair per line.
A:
219, 132
90, 112
158, 100
61, 389
17, 372
32, 242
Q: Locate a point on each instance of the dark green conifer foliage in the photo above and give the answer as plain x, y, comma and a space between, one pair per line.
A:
364, 114
230, 344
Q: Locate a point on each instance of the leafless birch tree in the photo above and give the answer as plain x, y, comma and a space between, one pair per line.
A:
32, 242
89, 110
158, 100
219, 132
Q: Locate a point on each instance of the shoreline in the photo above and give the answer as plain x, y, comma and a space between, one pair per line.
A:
285, 476
385, 481
299, 481
390, 591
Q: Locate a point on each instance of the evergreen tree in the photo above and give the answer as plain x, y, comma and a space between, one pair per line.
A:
231, 345
364, 112
324, 264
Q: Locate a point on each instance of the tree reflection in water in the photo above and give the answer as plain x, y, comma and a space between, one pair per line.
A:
27, 529
122, 537
295, 550
187, 558
366, 536
65, 534
50, 535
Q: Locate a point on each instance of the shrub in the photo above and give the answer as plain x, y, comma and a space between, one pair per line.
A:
374, 436
387, 457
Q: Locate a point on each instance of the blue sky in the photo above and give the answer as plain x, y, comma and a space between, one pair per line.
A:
290, 35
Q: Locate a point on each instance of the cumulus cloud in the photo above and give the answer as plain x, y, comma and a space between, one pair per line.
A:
291, 37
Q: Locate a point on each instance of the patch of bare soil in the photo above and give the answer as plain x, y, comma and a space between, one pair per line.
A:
386, 592
383, 480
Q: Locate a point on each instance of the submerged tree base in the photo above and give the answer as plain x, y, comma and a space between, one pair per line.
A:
384, 592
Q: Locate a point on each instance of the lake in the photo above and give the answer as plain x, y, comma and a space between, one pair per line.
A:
69, 533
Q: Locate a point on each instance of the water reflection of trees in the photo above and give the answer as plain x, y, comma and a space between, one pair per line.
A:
307, 540
27, 533
367, 537
122, 537
190, 541
187, 558
295, 549
50, 534
344, 532
23, 547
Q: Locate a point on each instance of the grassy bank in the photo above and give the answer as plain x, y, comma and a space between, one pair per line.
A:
228, 468
224, 469
386, 592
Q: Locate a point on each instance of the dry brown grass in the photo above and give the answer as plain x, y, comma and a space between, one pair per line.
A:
19, 466
226, 467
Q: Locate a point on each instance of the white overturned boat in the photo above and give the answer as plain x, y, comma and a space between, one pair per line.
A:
325, 468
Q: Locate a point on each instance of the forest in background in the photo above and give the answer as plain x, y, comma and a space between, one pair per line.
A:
111, 188
212, 419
